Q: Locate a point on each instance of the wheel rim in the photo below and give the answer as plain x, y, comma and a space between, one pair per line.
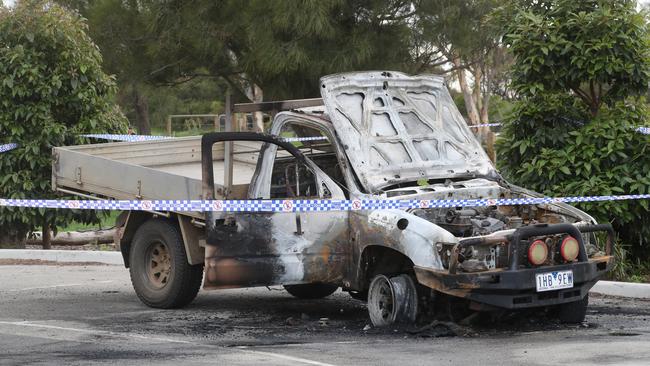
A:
158, 263
381, 303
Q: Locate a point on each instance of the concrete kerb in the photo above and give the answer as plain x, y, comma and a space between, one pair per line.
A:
623, 289
611, 288
71, 256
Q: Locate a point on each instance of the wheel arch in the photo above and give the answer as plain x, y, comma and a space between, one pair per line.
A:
129, 222
380, 259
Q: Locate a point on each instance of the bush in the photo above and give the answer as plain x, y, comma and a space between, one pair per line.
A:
52, 88
550, 149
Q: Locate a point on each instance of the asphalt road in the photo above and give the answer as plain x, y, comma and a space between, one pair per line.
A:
90, 315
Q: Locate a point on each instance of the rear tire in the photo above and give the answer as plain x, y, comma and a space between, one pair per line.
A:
160, 274
574, 312
311, 290
392, 300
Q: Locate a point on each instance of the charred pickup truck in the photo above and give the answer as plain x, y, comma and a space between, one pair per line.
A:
372, 136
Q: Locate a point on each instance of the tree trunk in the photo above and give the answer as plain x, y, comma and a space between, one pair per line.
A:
478, 81
472, 113
485, 108
258, 117
489, 135
47, 236
254, 94
594, 108
141, 105
489, 146
482, 101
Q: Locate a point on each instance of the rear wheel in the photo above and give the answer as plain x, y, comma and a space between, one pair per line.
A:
392, 300
574, 312
160, 273
311, 290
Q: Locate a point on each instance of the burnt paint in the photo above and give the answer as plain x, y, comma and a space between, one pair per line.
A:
239, 253
263, 249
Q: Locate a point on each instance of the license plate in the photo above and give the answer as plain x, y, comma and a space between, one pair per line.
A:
554, 280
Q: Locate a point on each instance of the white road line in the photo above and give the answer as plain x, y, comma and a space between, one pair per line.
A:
93, 331
45, 287
55, 286
138, 336
286, 357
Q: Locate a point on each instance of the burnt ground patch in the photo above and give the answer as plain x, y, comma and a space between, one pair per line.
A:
275, 318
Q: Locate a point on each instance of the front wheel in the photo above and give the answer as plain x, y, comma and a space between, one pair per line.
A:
160, 274
574, 312
392, 300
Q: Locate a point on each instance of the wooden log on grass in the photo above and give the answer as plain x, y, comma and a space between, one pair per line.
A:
76, 237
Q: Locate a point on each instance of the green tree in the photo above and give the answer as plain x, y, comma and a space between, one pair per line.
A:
282, 47
121, 30
581, 68
278, 50
52, 88
596, 49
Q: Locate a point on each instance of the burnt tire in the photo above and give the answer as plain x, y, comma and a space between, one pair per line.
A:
311, 290
392, 300
573, 312
160, 274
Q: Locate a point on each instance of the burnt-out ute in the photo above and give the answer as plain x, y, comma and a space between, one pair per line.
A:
372, 137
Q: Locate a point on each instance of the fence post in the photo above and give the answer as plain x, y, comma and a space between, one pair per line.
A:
228, 149
169, 125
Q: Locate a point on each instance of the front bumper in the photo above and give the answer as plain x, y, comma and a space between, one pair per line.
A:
514, 289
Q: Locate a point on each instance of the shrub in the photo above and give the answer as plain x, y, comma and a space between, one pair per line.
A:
547, 151
52, 88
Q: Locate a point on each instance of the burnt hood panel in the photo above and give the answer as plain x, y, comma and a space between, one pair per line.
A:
397, 128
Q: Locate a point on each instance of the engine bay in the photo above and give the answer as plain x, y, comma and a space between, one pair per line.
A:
476, 221
468, 222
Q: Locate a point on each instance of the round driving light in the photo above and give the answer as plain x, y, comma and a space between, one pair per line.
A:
537, 252
569, 249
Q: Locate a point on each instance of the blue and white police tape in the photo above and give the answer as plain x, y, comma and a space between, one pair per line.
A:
131, 138
299, 205
309, 138
643, 130
8, 147
135, 138
485, 125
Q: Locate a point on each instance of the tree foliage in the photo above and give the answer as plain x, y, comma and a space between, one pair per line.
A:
573, 133
597, 49
52, 88
121, 30
281, 48
284, 47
